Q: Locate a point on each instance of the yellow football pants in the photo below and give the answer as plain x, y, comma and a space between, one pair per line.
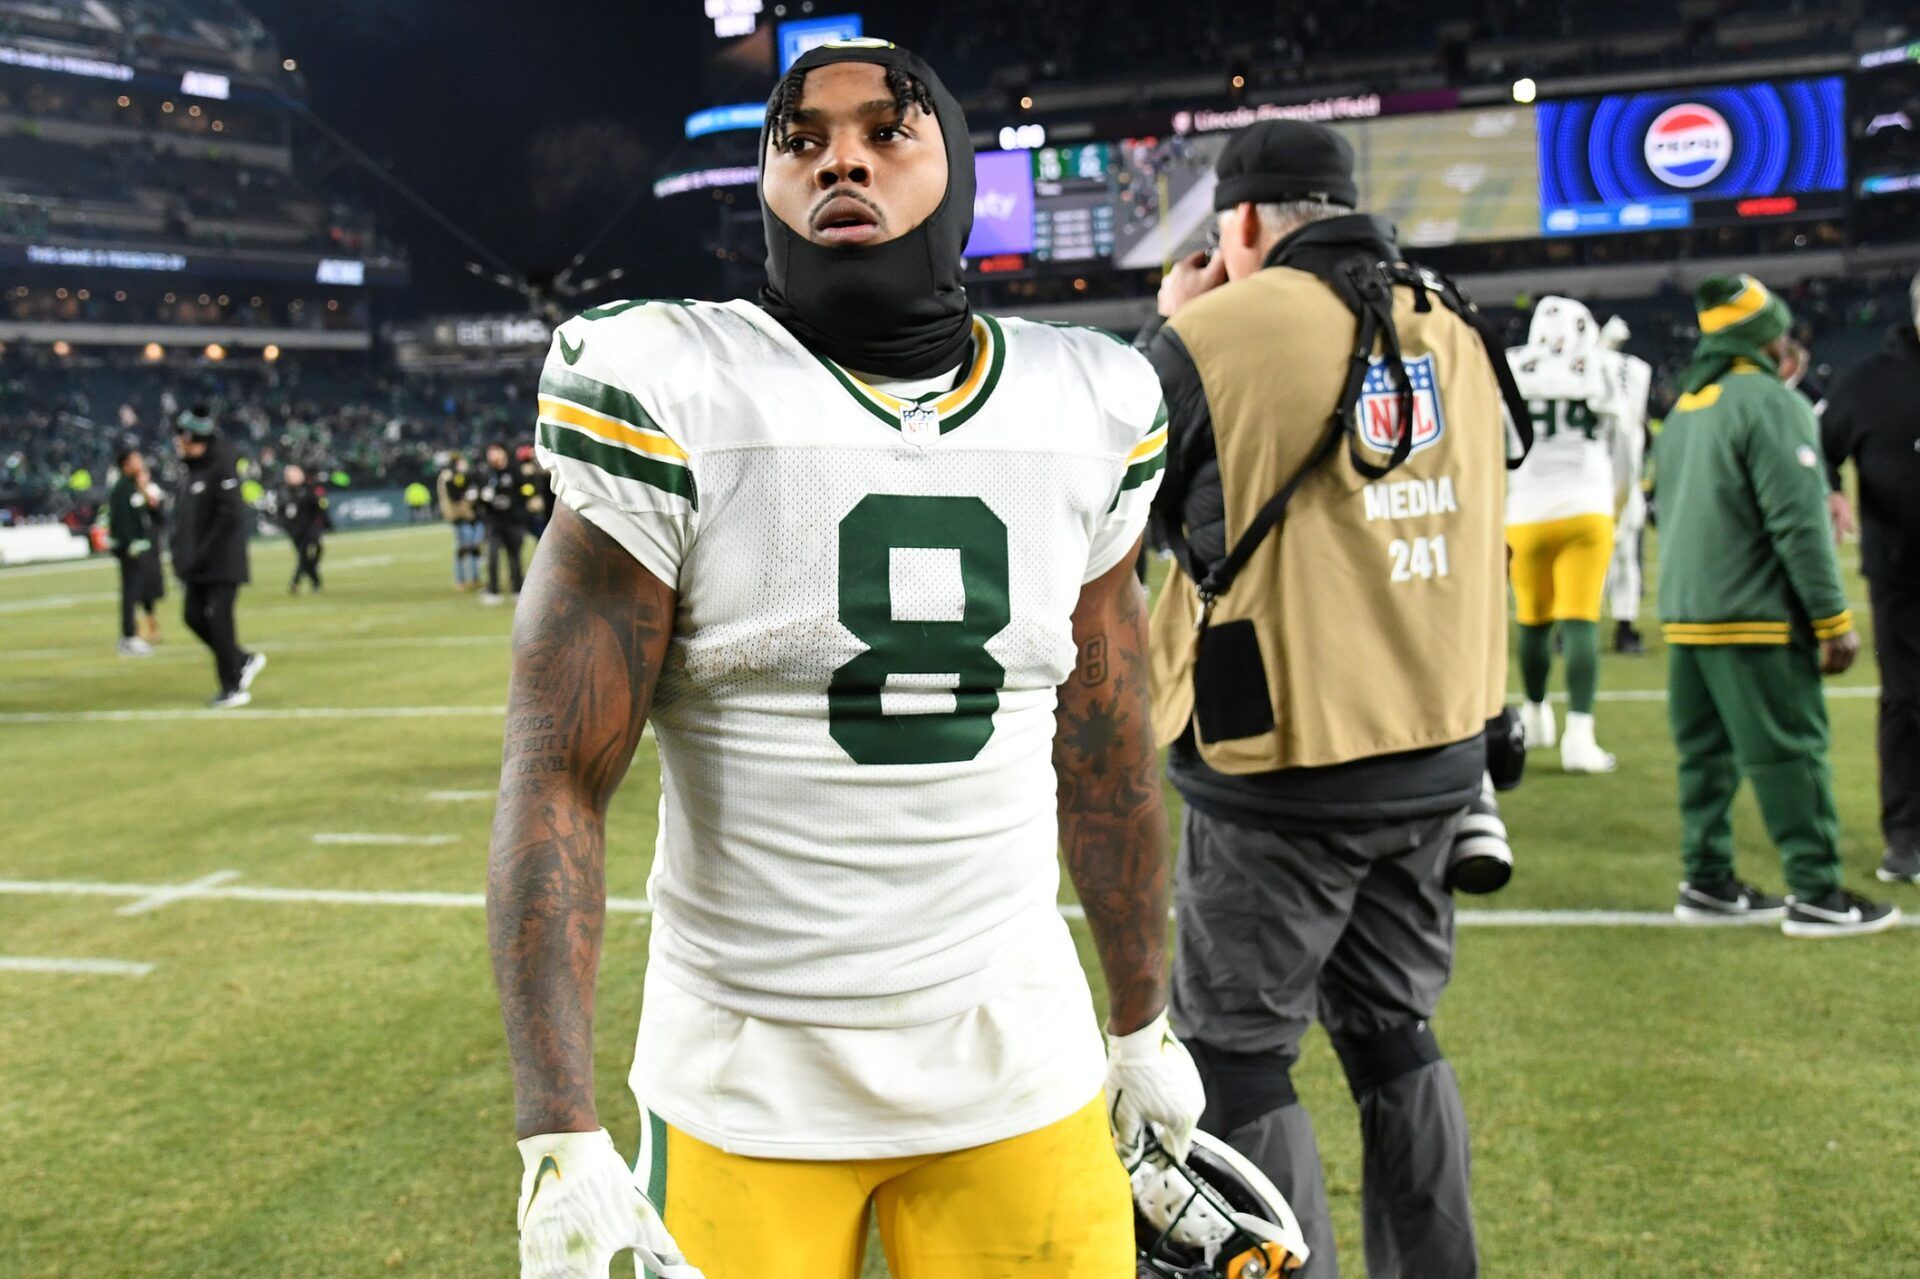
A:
1051, 1204
1560, 568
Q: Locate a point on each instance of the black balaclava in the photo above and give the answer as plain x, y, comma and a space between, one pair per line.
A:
897, 308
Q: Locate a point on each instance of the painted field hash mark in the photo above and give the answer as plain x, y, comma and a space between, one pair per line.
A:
78, 967
167, 896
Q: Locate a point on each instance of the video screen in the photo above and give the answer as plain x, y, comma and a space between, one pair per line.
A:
1442, 178
1002, 204
1692, 157
1073, 203
1886, 122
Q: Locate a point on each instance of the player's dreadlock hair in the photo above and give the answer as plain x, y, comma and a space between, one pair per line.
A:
906, 90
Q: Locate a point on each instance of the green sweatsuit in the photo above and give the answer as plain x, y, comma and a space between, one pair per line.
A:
1749, 585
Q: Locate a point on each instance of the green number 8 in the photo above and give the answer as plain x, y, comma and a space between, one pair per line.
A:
868, 536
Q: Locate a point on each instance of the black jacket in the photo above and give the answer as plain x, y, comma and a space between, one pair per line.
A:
504, 494
132, 522
302, 512
1873, 417
1361, 793
210, 520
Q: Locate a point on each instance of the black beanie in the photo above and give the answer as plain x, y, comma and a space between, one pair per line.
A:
1280, 160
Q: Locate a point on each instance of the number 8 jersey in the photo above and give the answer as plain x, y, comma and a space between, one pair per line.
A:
856, 716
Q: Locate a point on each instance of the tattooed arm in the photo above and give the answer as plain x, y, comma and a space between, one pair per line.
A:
1112, 825
589, 637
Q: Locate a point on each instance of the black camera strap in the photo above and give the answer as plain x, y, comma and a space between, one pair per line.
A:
1368, 290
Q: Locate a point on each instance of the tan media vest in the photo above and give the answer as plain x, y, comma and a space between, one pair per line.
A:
1378, 607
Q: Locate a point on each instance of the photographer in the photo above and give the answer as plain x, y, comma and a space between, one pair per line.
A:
506, 493
1325, 683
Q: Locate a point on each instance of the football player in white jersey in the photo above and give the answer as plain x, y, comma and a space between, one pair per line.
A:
865, 560
1624, 581
1561, 506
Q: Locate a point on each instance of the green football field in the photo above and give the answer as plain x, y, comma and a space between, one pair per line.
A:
292, 1064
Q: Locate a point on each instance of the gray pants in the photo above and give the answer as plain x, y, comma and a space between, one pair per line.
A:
1355, 928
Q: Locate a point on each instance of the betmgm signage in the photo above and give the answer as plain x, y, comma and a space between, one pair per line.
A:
471, 341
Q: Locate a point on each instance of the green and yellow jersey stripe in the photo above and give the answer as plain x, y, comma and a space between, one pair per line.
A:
605, 427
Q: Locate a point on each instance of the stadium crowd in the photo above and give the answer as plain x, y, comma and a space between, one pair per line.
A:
343, 414
61, 425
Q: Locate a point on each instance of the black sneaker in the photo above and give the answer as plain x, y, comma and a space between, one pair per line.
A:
1900, 866
1727, 902
1838, 914
1627, 641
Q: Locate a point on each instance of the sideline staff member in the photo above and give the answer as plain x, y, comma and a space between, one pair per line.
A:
133, 525
1753, 612
1326, 714
210, 551
301, 509
1873, 417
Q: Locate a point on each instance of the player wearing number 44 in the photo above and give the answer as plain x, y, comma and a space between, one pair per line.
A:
864, 559
1561, 508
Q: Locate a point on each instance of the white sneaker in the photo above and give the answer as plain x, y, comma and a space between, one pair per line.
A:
1536, 719
227, 701
256, 662
134, 646
1579, 753
489, 598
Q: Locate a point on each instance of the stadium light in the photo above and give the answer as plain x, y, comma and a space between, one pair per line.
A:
62, 349
1525, 90
289, 65
1026, 103
270, 353
153, 353
215, 351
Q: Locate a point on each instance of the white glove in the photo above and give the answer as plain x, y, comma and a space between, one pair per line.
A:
1152, 1080
579, 1206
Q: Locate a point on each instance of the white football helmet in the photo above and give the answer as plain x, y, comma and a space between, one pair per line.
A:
1563, 326
1212, 1216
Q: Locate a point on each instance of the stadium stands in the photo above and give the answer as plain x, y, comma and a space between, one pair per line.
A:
154, 188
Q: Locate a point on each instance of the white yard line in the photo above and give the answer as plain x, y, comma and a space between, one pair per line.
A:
64, 566
366, 837
56, 601
85, 967
188, 648
253, 713
167, 896
640, 906
458, 796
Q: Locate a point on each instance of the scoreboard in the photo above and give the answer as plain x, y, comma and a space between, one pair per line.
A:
1073, 203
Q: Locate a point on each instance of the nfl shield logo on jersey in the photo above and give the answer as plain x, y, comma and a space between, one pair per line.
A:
920, 423
1379, 406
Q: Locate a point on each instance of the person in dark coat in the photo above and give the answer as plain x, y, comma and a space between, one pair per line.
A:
210, 550
133, 531
1872, 418
300, 507
507, 491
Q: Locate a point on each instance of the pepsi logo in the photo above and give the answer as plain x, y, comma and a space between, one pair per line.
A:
1688, 145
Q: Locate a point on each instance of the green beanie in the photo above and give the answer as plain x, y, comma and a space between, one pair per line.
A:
191, 423
1738, 317
1740, 306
